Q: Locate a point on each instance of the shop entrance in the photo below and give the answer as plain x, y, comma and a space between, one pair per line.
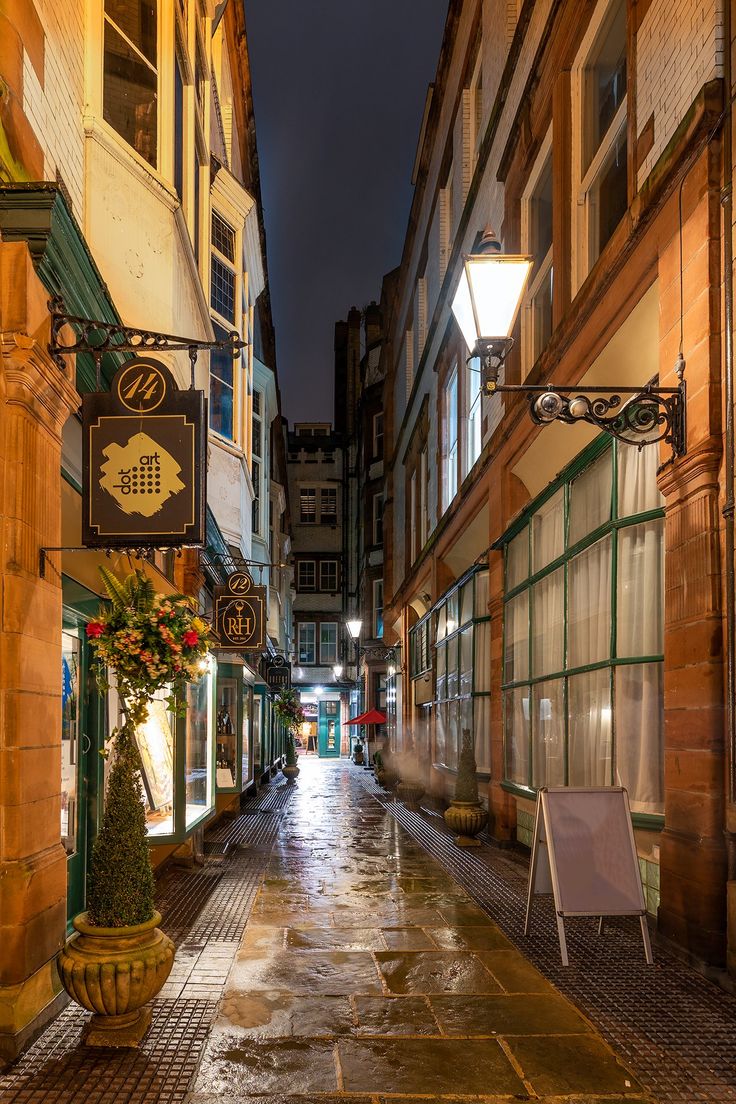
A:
329, 729
81, 725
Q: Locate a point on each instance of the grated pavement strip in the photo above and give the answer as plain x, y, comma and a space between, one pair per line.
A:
205, 912
674, 1029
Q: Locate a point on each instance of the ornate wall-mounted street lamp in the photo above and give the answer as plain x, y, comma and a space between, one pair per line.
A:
486, 304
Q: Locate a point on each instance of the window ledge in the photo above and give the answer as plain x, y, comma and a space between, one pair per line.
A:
482, 776
97, 129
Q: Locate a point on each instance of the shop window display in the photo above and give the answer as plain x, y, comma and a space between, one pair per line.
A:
226, 732
70, 658
199, 783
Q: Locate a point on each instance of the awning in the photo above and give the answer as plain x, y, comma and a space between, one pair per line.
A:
372, 717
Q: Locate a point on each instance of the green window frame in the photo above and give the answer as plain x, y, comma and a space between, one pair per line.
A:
462, 687
420, 645
545, 703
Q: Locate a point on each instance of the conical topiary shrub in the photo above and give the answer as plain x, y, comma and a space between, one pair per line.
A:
466, 816
120, 888
466, 784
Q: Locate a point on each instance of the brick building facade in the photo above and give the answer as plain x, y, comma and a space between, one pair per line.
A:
557, 592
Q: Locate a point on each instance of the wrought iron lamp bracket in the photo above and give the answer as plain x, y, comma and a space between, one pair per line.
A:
96, 338
649, 415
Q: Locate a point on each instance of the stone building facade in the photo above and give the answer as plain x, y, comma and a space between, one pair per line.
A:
559, 593
128, 187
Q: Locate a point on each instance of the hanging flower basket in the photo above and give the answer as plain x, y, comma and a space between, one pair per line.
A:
287, 708
120, 959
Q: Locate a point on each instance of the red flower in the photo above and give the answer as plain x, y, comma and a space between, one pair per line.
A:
95, 629
190, 638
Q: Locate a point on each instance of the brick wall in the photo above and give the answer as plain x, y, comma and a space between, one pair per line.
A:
53, 98
679, 47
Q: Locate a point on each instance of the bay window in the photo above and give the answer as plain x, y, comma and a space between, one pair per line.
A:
536, 240
583, 631
130, 74
601, 155
450, 432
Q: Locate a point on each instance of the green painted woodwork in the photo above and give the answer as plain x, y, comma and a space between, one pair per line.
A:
328, 730
38, 214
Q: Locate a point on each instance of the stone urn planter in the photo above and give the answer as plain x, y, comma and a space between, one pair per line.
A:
410, 793
466, 816
358, 756
466, 819
115, 972
290, 768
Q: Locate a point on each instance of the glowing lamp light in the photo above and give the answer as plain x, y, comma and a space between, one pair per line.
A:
318, 691
337, 670
354, 628
489, 293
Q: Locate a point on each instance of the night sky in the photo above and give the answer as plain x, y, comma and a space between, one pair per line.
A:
339, 89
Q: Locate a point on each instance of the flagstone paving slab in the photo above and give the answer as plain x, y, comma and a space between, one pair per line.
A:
507, 1015
571, 1064
426, 1065
394, 1016
435, 972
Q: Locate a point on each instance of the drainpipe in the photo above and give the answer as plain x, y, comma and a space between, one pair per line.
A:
728, 508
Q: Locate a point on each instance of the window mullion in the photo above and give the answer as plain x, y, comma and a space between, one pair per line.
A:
132, 44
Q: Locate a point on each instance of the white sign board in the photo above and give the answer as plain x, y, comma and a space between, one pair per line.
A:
584, 853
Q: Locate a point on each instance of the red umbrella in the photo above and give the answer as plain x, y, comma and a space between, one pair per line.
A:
373, 716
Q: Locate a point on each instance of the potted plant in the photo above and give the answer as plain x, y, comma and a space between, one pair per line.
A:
119, 959
379, 769
358, 757
410, 788
288, 709
466, 815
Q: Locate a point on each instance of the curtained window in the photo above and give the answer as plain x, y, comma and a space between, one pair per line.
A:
583, 631
462, 669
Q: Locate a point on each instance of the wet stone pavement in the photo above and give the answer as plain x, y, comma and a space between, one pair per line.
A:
366, 973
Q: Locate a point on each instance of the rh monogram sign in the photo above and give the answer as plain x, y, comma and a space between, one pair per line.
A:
240, 613
144, 450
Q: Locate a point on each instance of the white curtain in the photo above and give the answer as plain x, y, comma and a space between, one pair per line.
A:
589, 605
637, 480
589, 734
548, 529
639, 735
548, 738
640, 632
517, 562
517, 734
482, 724
516, 666
482, 634
548, 599
591, 499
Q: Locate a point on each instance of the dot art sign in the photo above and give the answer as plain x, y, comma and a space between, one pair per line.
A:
144, 450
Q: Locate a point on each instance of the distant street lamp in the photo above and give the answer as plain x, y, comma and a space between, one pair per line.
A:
486, 303
354, 628
337, 671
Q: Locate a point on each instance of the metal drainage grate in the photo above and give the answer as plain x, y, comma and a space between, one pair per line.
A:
57, 1070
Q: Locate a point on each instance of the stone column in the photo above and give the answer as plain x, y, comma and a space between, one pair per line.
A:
693, 858
36, 398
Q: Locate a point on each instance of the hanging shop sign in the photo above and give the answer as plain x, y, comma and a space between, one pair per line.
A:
144, 461
240, 613
277, 673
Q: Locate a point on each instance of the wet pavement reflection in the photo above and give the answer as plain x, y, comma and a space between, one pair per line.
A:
367, 973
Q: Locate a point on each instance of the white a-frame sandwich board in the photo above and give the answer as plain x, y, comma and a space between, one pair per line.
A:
585, 855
